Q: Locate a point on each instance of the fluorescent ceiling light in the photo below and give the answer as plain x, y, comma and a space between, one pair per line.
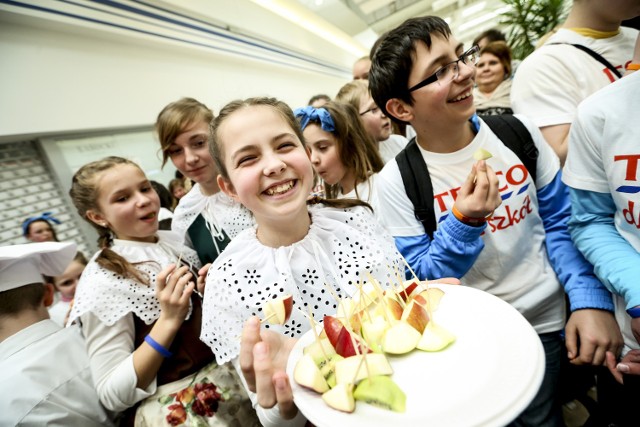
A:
481, 19
311, 23
473, 9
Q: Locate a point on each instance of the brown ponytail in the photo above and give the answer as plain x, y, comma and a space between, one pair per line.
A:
339, 203
84, 194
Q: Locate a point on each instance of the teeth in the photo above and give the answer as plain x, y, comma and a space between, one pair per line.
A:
279, 189
463, 96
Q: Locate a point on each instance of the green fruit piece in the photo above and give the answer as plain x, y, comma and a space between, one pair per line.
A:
381, 391
328, 369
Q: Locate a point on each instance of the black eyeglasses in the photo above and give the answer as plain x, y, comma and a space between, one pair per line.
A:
450, 71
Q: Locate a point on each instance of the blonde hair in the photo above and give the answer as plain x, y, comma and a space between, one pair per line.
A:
84, 194
175, 117
216, 145
353, 92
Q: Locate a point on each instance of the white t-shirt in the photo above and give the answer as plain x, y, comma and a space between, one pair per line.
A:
513, 265
365, 193
390, 147
58, 311
553, 80
607, 132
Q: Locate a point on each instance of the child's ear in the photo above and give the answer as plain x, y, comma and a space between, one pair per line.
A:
97, 218
399, 109
49, 291
227, 188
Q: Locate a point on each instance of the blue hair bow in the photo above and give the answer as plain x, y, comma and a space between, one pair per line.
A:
46, 216
316, 115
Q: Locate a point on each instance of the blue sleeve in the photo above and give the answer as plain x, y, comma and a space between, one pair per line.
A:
574, 272
592, 227
454, 249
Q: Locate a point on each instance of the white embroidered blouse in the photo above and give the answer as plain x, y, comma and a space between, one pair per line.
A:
332, 259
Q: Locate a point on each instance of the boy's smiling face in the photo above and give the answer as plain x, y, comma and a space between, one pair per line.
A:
443, 103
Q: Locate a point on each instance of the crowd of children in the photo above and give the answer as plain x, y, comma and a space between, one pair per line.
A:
163, 324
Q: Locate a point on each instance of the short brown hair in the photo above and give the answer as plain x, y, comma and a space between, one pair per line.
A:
501, 51
27, 297
175, 117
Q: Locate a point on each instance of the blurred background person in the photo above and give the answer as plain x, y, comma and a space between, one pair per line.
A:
492, 94
39, 228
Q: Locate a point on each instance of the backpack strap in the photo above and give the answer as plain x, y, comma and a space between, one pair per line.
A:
417, 181
417, 185
595, 55
514, 134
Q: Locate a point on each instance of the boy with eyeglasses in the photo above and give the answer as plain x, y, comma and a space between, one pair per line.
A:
497, 229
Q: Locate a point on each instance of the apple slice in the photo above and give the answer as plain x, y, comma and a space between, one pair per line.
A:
482, 154
307, 374
435, 338
373, 330
409, 288
433, 295
415, 313
341, 398
277, 311
348, 342
332, 326
400, 338
390, 308
381, 391
353, 369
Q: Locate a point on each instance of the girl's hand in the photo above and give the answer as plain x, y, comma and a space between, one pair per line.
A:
479, 196
629, 364
173, 290
263, 360
202, 275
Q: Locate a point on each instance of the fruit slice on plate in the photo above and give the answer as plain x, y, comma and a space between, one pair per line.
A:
307, 374
433, 296
341, 398
373, 330
415, 313
354, 368
400, 338
381, 391
277, 311
328, 369
344, 342
320, 350
482, 154
435, 338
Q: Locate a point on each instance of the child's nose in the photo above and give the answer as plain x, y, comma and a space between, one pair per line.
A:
275, 165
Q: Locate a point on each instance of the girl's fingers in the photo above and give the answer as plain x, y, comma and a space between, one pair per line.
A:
284, 395
263, 371
250, 337
161, 278
467, 186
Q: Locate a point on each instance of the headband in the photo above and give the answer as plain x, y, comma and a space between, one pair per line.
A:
46, 216
317, 115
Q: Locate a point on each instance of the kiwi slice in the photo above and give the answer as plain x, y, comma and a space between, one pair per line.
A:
381, 391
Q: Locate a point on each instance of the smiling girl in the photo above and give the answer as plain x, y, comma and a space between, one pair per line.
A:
309, 251
205, 217
342, 152
140, 321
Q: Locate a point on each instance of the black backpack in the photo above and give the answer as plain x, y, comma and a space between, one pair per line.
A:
412, 166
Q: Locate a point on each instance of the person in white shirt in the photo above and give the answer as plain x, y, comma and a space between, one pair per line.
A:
45, 375
551, 82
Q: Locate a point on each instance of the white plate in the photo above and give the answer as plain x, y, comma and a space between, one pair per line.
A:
486, 378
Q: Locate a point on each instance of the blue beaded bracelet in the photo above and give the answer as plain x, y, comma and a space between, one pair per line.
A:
157, 346
634, 312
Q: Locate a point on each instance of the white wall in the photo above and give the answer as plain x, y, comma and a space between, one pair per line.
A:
61, 74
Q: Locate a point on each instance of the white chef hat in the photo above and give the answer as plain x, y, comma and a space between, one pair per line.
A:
25, 264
